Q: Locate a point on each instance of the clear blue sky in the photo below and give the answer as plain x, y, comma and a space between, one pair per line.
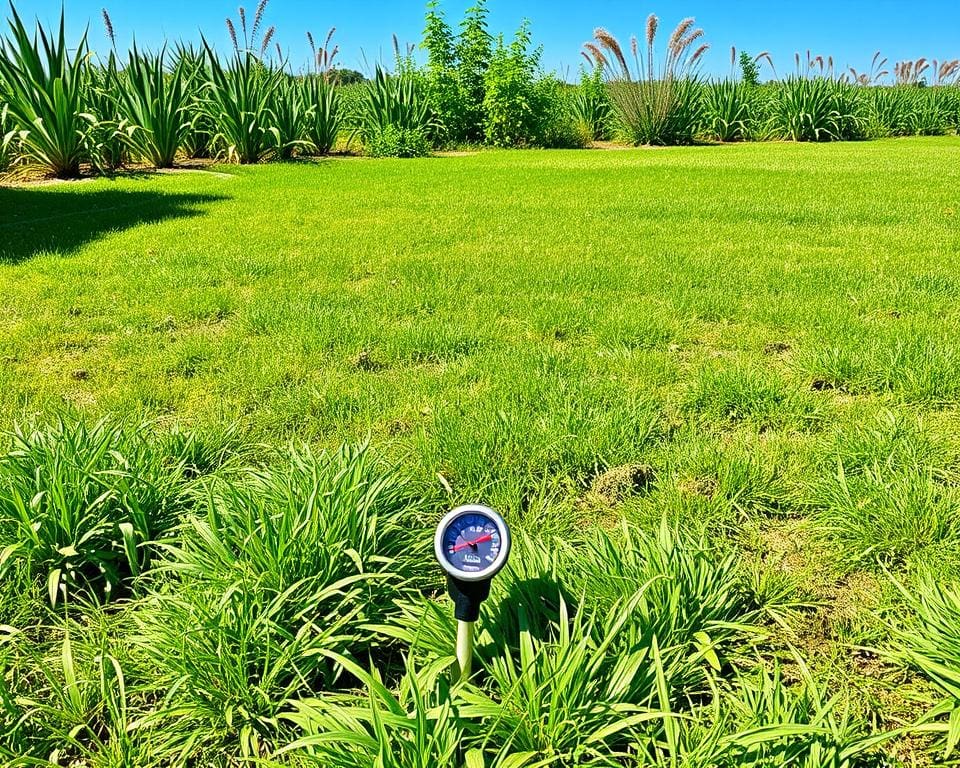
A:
850, 31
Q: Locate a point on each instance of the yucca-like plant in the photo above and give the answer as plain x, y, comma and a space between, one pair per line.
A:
153, 102
107, 145
290, 117
394, 115
9, 140
80, 507
43, 88
728, 110
817, 109
655, 103
324, 113
239, 100
198, 137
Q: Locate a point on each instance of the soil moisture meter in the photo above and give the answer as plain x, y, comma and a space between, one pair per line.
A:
472, 545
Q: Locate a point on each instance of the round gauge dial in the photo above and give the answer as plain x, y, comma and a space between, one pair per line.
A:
472, 543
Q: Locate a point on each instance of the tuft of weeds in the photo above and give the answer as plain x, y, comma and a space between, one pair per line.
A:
276, 572
81, 507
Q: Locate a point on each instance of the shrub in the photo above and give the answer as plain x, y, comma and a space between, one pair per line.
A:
397, 142
521, 108
660, 104
153, 101
43, 87
81, 507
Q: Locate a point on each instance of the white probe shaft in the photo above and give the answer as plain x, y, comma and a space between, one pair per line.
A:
465, 648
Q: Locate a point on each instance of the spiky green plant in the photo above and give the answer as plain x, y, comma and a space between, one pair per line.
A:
654, 103
198, 138
394, 114
153, 101
417, 727
107, 145
728, 109
9, 140
239, 100
590, 105
817, 109
929, 641
290, 117
43, 87
324, 115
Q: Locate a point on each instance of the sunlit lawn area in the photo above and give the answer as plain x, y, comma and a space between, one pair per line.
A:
760, 342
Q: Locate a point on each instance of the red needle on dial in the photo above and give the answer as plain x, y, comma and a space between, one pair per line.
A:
465, 544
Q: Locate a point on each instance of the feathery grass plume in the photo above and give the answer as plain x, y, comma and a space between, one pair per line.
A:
258, 19
233, 35
598, 59
243, 25
652, 24
313, 46
698, 54
266, 40
609, 43
676, 38
108, 27
733, 56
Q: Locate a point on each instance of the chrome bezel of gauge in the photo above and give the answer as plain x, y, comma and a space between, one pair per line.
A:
494, 568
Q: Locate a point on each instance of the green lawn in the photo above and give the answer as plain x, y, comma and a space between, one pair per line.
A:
761, 341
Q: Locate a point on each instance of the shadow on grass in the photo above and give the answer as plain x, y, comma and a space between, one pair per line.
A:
61, 218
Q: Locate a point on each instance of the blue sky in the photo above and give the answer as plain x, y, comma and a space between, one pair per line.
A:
849, 31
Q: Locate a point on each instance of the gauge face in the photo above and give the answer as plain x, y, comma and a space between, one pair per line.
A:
472, 543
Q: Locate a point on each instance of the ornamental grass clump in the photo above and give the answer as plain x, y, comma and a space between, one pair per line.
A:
655, 102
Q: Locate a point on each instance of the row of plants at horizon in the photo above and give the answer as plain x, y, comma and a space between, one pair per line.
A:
169, 598
62, 109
